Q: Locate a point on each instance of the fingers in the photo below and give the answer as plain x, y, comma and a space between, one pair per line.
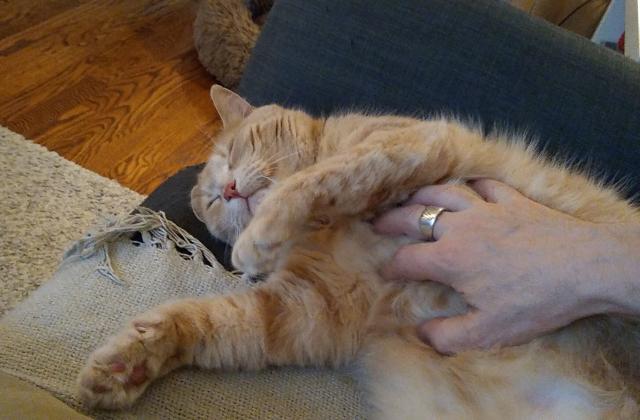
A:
476, 330
421, 261
494, 191
400, 221
404, 221
451, 197
452, 335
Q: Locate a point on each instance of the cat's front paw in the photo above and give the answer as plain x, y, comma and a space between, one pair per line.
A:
118, 372
258, 250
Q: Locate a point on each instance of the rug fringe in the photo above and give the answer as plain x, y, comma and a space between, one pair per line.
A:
154, 229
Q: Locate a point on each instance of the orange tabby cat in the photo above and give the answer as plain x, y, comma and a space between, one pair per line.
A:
293, 193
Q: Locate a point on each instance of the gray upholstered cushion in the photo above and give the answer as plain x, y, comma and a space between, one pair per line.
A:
481, 59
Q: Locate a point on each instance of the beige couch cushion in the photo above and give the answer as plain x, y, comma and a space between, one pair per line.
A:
21, 400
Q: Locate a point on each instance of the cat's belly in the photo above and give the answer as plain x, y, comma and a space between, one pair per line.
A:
358, 247
363, 252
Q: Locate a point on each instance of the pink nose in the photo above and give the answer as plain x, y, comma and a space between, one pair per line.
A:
230, 191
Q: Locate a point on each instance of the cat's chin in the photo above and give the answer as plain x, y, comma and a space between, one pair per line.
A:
255, 199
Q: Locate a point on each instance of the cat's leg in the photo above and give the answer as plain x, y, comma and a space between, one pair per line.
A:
164, 338
288, 320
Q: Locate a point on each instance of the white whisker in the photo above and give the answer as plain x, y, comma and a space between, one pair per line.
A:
267, 178
271, 162
252, 171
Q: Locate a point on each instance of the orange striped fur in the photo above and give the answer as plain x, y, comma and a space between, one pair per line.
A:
313, 184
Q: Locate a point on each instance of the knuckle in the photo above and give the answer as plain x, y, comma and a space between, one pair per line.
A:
487, 182
452, 221
445, 255
450, 188
474, 339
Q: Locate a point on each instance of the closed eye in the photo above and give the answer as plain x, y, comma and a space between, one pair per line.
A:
213, 201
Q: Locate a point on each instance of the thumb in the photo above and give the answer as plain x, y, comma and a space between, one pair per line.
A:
455, 334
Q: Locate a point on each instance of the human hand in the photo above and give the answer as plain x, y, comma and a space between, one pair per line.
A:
524, 269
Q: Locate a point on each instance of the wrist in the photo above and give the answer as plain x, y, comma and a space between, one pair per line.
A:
614, 269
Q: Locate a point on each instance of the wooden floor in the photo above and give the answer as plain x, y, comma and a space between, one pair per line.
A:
114, 86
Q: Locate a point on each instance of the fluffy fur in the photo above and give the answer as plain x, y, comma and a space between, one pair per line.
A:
307, 186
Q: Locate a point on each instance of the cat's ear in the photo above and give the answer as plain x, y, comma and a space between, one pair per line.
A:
231, 106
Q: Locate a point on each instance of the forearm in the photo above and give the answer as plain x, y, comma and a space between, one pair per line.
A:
615, 268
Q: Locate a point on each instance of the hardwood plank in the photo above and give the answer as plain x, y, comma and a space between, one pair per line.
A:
112, 85
19, 15
69, 37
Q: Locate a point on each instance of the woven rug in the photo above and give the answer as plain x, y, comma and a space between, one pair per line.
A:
46, 202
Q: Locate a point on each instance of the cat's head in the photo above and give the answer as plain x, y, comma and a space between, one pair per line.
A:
256, 148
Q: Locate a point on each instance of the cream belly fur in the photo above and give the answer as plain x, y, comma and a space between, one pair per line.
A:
323, 303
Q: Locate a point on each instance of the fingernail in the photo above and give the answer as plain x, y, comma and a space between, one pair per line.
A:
421, 331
